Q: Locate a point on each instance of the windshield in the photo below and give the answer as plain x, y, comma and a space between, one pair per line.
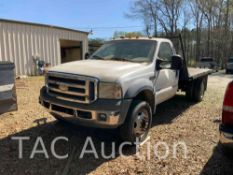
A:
126, 50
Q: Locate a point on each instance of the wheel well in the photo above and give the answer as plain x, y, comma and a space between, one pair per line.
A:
147, 96
204, 79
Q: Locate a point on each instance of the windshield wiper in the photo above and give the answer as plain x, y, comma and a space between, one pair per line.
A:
96, 57
122, 59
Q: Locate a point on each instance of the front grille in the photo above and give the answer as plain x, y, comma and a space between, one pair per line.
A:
71, 87
62, 109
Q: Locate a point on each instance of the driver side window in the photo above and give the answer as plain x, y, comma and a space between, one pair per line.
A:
165, 53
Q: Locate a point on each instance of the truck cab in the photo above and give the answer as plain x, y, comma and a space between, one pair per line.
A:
120, 85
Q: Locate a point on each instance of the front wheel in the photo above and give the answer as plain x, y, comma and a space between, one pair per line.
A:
138, 122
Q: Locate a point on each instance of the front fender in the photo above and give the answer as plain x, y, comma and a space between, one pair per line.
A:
138, 86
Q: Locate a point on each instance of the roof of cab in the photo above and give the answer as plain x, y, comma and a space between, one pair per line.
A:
142, 38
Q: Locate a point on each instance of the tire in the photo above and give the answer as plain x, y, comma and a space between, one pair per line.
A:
188, 94
199, 90
227, 71
139, 114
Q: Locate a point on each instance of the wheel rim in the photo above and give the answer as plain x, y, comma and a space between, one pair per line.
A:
141, 123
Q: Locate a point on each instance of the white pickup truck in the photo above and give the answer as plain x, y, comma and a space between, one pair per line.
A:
120, 85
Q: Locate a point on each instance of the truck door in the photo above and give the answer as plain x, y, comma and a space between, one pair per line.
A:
166, 83
8, 100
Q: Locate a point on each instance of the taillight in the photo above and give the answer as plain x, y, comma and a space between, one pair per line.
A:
227, 115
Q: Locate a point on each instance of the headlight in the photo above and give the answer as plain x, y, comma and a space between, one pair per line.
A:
110, 91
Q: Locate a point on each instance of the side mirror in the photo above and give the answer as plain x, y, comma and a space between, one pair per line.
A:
158, 64
162, 64
177, 62
87, 55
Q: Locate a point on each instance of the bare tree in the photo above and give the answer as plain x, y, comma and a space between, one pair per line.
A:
154, 13
147, 12
198, 17
168, 14
212, 20
207, 8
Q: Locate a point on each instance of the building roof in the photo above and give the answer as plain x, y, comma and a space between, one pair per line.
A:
43, 25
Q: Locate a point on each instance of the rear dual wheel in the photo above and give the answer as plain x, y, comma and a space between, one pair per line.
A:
197, 92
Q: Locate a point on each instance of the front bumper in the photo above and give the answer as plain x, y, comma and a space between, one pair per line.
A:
102, 113
226, 136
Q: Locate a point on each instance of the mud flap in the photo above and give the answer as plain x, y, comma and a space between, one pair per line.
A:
8, 99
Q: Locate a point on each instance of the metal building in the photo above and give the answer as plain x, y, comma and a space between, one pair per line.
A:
23, 43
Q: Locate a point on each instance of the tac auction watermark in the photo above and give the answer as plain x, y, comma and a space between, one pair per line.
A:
157, 150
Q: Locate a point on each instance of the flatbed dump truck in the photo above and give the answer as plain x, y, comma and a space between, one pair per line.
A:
121, 84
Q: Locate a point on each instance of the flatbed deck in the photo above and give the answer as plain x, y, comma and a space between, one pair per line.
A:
194, 73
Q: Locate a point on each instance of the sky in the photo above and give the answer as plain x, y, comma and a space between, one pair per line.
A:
103, 16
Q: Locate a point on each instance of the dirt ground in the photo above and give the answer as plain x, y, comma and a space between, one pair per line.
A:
176, 120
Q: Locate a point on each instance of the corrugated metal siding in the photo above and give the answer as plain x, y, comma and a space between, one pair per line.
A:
20, 42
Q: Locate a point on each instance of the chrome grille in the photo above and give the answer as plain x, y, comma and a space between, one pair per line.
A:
71, 87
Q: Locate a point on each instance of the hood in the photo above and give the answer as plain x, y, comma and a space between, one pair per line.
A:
107, 71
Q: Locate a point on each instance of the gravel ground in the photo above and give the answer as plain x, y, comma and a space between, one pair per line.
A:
177, 120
